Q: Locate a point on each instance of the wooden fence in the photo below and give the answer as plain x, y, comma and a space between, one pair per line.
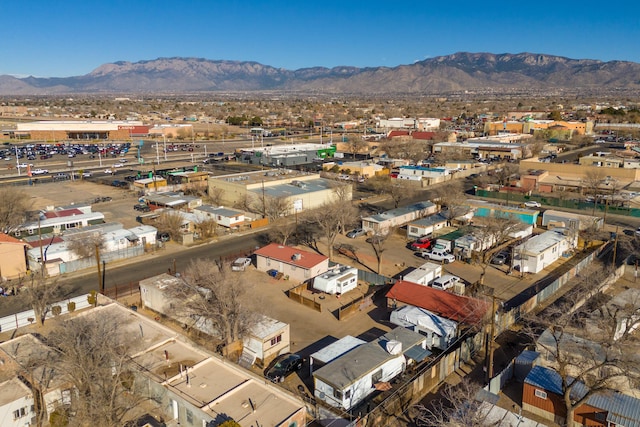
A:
295, 294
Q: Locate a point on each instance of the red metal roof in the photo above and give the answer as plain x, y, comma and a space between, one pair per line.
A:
45, 242
62, 213
287, 253
451, 306
394, 133
423, 135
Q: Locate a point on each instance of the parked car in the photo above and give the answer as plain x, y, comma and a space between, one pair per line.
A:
438, 255
532, 204
356, 233
500, 259
142, 207
282, 366
240, 264
445, 282
422, 243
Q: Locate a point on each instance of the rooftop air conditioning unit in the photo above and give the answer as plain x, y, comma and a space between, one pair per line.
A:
296, 257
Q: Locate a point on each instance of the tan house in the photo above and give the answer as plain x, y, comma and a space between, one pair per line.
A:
13, 258
300, 191
299, 265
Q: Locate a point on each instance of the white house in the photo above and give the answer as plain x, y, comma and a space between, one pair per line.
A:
349, 379
16, 403
425, 274
340, 279
426, 226
224, 217
382, 222
542, 250
416, 173
440, 332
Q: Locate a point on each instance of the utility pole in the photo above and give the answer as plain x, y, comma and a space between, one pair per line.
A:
100, 282
490, 337
615, 248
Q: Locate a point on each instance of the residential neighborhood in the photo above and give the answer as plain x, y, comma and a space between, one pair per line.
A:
345, 272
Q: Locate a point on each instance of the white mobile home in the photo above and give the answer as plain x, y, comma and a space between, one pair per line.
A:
224, 217
340, 279
426, 226
425, 274
543, 250
350, 378
440, 332
382, 222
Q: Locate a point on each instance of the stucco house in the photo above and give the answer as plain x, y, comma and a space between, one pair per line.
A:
299, 265
13, 257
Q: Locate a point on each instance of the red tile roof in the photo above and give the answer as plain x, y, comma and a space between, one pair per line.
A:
62, 213
286, 254
462, 309
5, 238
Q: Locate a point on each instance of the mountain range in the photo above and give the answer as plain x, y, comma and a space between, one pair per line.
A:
456, 72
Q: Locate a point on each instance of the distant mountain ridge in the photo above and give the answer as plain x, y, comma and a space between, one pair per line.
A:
456, 72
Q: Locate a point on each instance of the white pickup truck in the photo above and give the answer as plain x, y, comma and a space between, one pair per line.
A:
439, 255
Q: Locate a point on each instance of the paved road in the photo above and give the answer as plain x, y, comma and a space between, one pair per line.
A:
134, 270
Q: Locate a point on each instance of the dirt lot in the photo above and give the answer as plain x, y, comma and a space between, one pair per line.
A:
119, 209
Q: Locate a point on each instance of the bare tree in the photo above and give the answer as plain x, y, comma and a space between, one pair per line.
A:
397, 189
216, 195
347, 213
451, 195
85, 244
589, 340
593, 179
492, 234
456, 406
92, 355
40, 293
170, 222
282, 230
505, 172
328, 219
206, 227
271, 207
219, 297
378, 244
14, 205
355, 143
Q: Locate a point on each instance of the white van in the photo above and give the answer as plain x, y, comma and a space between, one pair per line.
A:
445, 282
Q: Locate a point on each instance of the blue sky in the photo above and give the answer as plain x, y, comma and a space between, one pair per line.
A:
69, 38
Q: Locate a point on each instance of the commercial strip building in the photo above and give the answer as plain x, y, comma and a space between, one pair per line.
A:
81, 130
279, 156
